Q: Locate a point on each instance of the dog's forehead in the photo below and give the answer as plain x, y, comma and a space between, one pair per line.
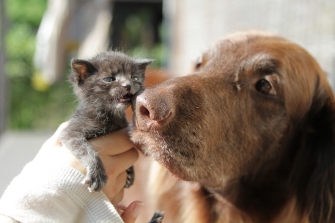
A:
229, 57
260, 60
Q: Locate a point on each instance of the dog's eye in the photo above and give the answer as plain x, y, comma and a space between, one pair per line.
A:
109, 79
197, 65
201, 61
264, 87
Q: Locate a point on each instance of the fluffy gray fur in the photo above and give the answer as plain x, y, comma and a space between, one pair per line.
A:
104, 86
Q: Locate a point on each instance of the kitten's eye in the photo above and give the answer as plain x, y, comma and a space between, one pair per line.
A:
109, 79
135, 78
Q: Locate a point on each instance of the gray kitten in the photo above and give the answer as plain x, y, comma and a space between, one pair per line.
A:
104, 86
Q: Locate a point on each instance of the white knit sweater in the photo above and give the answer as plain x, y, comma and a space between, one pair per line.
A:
53, 193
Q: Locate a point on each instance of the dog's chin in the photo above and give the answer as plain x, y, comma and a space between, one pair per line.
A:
164, 155
178, 164
185, 170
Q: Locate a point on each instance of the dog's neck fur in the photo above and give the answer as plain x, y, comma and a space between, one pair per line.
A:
227, 213
264, 196
243, 200
247, 202
260, 197
202, 205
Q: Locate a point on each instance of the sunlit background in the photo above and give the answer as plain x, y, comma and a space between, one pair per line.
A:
39, 37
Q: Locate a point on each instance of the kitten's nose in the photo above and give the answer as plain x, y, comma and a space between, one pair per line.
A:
127, 87
153, 110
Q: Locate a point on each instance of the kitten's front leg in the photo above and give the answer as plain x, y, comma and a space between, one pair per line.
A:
157, 218
96, 176
77, 143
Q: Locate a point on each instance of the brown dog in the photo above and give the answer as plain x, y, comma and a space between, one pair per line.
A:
252, 129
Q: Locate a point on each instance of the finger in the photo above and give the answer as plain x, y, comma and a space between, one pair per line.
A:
132, 211
53, 142
114, 186
120, 208
61, 127
118, 198
114, 165
111, 144
55, 137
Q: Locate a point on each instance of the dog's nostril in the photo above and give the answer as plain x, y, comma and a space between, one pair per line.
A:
144, 111
152, 111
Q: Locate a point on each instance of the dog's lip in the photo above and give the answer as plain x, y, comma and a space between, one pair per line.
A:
152, 149
152, 125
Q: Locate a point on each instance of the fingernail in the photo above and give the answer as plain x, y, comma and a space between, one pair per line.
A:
137, 209
120, 211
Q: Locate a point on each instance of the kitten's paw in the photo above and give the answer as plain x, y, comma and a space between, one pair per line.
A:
157, 218
95, 180
130, 177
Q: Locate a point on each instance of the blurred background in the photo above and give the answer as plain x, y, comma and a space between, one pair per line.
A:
39, 37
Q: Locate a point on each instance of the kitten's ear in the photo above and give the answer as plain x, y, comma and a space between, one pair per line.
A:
82, 68
143, 63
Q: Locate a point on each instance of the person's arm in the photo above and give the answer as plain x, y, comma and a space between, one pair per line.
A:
49, 188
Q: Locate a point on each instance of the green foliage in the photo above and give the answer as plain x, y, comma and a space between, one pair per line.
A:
20, 47
38, 110
137, 35
28, 107
155, 53
28, 12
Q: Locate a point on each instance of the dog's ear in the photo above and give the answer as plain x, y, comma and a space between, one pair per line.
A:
314, 171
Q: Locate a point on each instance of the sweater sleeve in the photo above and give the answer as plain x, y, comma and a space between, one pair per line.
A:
53, 193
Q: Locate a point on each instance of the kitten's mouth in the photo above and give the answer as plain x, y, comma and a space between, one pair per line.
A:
124, 99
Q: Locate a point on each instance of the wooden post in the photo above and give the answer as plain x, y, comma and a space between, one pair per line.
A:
3, 77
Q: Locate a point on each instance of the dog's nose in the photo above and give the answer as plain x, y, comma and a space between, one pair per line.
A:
153, 110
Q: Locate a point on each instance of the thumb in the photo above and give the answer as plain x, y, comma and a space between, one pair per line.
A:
56, 135
132, 211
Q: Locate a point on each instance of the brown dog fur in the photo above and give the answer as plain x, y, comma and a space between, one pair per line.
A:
253, 151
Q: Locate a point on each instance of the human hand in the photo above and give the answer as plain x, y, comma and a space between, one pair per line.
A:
117, 154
